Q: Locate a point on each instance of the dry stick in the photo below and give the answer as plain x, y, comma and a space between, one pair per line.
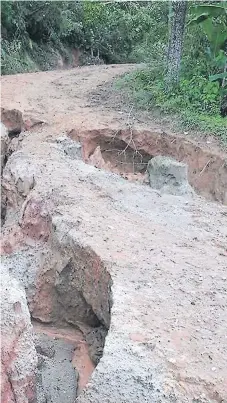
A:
130, 141
114, 136
111, 150
131, 138
125, 163
136, 152
128, 124
205, 166
130, 114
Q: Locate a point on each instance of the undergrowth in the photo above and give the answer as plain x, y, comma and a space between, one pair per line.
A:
195, 104
21, 57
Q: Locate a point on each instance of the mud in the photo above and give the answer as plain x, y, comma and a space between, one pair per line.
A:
56, 378
75, 338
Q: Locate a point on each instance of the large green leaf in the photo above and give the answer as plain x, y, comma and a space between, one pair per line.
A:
219, 76
210, 9
216, 34
198, 19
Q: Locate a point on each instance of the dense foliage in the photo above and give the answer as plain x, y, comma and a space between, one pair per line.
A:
199, 100
111, 32
36, 33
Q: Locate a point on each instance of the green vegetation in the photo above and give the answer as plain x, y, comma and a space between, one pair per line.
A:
184, 46
36, 33
194, 104
192, 88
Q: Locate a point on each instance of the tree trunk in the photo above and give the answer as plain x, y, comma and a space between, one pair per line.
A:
176, 36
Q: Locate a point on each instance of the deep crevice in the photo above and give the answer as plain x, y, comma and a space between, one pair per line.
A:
14, 133
207, 170
80, 291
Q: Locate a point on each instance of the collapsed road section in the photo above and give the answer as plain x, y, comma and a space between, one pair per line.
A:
100, 254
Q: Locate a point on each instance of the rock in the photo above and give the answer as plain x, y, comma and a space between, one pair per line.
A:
13, 120
35, 221
71, 148
18, 354
14, 145
18, 179
169, 176
96, 341
97, 159
4, 145
34, 224
32, 121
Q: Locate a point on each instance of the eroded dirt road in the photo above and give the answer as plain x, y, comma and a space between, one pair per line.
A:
166, 255
61, 97
80, 102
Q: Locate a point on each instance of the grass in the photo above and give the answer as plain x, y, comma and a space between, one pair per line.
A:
194, 107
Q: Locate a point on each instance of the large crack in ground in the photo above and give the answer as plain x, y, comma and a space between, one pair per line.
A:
66, 301
68, 294
98, 254
127, 152
69, 298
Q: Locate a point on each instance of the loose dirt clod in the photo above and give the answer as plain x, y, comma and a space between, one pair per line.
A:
69, 147
13, 120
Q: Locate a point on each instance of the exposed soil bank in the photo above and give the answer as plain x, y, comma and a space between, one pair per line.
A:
166, 256
127, 152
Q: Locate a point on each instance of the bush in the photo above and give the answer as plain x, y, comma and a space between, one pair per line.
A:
14, 58
196, 102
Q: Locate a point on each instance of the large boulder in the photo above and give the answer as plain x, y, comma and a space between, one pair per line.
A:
169, 176
18, 354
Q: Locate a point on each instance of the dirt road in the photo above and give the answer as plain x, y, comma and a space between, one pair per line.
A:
61, 97
159, 259
77, 102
